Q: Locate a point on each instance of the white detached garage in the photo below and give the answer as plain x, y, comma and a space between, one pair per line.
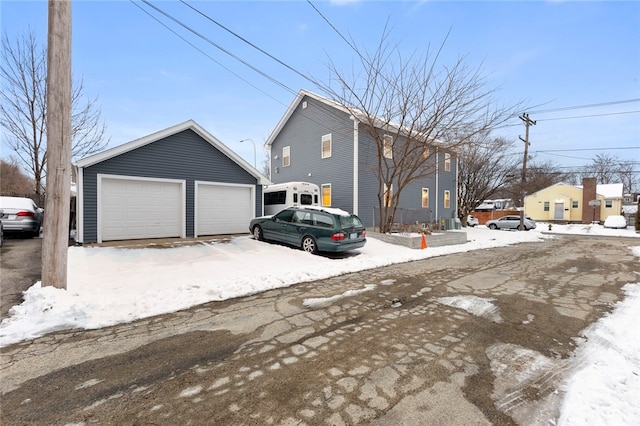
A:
179, 182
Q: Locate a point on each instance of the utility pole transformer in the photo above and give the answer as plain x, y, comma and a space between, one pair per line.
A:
58, 192
527, 122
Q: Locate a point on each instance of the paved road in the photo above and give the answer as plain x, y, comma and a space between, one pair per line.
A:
395, 354
20, 268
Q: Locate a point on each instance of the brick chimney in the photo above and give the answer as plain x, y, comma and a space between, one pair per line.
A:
589, 213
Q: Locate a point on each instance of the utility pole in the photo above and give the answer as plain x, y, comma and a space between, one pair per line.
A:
56, 223
527, 122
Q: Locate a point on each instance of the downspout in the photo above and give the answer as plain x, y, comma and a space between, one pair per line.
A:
355, 165
437, 181
79, 203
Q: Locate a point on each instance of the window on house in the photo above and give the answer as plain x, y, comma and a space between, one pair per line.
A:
326, 146
447, 199
426, 152
608, 204
546, 206
286, 156
388, 195
447, 162
425, 197
575, 204
326, 194
388, 146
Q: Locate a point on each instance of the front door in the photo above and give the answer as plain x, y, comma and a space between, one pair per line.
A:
558, 211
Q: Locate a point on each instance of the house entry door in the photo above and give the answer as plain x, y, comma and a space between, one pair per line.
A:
558, 211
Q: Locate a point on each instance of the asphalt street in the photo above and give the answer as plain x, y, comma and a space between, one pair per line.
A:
396, 354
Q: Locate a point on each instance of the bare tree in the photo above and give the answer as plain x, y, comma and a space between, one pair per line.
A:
540, 175
485, 165
23, 112
412, 107
603, 167
13, 181
627, 176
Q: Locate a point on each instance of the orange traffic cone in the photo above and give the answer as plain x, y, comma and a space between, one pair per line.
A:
424, 242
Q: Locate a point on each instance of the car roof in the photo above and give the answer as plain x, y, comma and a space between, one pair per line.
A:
16, 203
330, 210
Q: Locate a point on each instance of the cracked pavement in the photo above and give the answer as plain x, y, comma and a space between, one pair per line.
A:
393, 354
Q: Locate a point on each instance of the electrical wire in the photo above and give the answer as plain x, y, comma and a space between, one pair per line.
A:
586, 106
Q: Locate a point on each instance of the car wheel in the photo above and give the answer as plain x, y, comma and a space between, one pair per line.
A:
309, 245
493, 226
257, 233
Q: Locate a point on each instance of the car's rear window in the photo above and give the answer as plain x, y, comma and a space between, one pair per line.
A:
350, 222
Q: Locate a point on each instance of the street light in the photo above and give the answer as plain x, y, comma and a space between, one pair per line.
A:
255, 166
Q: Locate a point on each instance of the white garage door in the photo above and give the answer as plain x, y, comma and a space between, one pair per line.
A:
223, 209
140, 208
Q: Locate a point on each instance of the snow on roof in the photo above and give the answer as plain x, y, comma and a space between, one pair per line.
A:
608, 190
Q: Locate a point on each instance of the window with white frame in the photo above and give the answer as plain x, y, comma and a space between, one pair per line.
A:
447, 199
326, 146
426, 152
608, 204
425, 197
388, 195
388, 146
286, 156
575, 204
545, 206
326, 195
447, 162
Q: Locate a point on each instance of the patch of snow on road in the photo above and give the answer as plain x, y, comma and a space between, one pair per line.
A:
320, 302
474, 305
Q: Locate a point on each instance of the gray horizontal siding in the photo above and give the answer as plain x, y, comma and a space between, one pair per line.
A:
185, 156
303, 134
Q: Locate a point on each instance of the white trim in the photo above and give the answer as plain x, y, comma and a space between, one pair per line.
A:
79, 205
101, 176
196, 185
187, 125
329, 138
356, 170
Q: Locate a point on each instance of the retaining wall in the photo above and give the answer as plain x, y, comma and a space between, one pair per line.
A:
414, 241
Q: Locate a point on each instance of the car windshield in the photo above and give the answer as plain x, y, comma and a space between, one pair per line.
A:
350, 222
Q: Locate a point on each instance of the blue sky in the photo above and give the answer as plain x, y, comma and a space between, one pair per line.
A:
549, 54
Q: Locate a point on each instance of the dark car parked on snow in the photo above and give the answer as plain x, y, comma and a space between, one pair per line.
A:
312, 229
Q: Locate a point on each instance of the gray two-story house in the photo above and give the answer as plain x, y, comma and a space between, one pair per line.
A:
320, 141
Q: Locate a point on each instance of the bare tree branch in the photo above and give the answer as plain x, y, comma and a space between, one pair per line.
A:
23, 112
424, 106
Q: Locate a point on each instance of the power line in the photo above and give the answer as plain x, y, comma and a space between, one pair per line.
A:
309, 79
588, 116
204, 53
214, 44
586, 106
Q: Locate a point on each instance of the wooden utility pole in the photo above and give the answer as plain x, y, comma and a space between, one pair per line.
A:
527, 122
56, 215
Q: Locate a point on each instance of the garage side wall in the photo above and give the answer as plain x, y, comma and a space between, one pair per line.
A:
183, 156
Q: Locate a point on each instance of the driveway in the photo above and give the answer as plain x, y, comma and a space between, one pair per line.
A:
20, 267
316, 353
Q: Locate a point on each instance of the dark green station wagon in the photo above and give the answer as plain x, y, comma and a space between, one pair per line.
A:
313, 229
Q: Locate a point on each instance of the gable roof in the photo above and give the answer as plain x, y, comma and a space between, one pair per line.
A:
187, 125
360, 115
608, 191
292, 107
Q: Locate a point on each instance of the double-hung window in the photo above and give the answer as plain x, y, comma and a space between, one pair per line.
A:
286, 156
326, 146
387, 149
425, 197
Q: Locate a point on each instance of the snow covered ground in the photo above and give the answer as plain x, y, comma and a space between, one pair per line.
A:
107, 286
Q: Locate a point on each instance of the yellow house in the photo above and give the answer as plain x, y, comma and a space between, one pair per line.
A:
562, 202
